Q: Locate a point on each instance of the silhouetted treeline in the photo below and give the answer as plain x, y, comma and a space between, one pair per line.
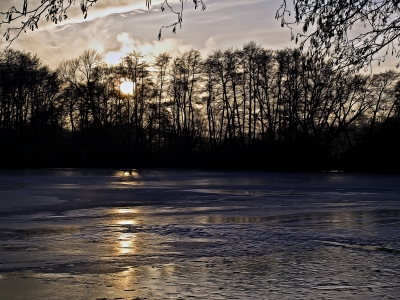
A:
235, 108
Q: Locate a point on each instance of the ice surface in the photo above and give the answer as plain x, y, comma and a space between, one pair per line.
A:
175, 234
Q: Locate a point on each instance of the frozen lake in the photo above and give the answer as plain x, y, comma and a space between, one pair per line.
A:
178, 234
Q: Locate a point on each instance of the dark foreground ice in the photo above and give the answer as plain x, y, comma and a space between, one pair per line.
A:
174, 234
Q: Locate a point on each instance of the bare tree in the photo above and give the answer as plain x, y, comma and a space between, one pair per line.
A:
161, 64
83, 75
183, 90
327, 29
383, 100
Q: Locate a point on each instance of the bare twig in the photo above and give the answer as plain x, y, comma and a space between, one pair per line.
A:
56, 11
327, 30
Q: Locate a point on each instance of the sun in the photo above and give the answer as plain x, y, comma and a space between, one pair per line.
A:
127, 87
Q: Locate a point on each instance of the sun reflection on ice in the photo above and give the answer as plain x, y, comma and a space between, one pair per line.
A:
127, 177
126, 222
126, 247
121, 218
127, 173
126, 211
126, 243
124, 216
128, 279
131, 172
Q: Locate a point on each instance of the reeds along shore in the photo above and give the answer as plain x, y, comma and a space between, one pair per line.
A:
235, 108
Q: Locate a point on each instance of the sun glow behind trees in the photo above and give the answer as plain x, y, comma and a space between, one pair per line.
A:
127, 87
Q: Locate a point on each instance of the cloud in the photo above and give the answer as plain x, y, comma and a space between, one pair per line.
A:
209, 46
150, 49
100, 9
117, 27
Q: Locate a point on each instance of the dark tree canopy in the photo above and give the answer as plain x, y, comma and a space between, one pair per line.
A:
234, 108
354, 33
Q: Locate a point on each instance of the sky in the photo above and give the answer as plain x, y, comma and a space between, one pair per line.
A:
117, 27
